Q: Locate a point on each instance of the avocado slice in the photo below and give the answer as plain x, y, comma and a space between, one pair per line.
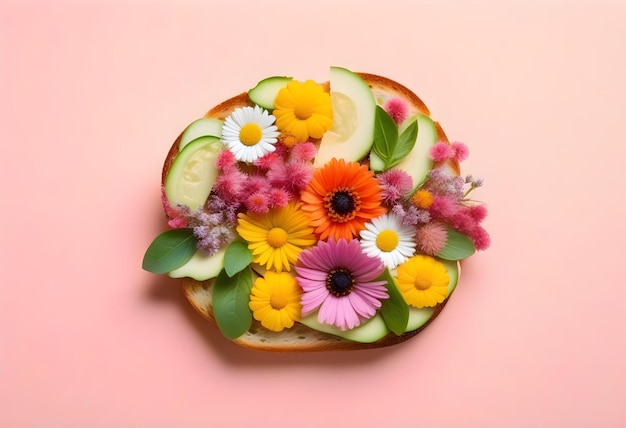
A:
368, 332
204, 126
354, 111
265, 92
201, 267
193, 172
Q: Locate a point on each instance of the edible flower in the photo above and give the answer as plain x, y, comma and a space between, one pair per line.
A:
275, 300
277, 237
303, 109
249, 132
423, 281
388, 239
339, 279
340, 198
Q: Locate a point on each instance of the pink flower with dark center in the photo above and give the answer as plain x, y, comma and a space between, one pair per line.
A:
397, 108
340, 280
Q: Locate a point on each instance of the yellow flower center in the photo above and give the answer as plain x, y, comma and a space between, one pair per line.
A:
304, 109
250, 134
387, 240
277, 237
278, 300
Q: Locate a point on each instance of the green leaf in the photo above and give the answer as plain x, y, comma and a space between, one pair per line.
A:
458, 247
385, 134
237, 257
395, 311
231, 296
170, 250
405, 144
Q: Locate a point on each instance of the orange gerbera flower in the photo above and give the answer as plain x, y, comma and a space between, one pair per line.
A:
340, 198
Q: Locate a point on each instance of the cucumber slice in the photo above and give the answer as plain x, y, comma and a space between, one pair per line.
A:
201, 267
368, 332
265, 92
199, 128
193, 173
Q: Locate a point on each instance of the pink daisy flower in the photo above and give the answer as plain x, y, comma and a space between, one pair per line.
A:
339, 279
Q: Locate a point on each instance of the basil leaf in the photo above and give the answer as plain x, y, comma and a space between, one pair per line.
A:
231, 296
395, 311
237, 257
458, 246
385, 134
170, 250
405, 144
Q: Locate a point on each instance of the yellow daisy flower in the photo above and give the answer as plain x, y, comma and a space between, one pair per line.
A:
303, 110
275, 300
423, 281
277, 237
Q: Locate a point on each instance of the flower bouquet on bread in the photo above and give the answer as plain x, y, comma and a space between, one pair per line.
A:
310, 216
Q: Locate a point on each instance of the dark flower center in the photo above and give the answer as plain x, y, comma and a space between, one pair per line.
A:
340, 282
342, 204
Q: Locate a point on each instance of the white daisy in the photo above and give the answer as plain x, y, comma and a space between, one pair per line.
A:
388, 239
249, 132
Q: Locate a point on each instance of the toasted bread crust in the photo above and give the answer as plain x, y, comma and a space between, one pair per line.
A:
301, 338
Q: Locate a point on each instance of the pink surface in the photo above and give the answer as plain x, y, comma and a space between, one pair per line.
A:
93, 96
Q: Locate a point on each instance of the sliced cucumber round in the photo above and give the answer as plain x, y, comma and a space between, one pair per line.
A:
202, 127
265, 92
368, 332
193, 173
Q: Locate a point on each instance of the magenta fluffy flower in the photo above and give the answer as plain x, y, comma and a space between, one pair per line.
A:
461, 152
292, 176
226, 160
340, 280
268, 160
396, 184
230, 185
303, 151
258, 202
441, 151
397, 108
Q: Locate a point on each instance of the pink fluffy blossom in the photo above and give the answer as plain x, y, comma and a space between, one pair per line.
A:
303, 152
431, 238
396, 184
461, 152
397, 108
258, 202
441, 151
226, 160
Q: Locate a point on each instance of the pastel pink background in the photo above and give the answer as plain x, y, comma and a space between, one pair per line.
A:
94, 94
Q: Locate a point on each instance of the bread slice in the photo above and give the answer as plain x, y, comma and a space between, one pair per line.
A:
301, 338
